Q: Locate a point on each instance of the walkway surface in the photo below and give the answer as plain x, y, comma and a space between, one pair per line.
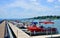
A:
2, 29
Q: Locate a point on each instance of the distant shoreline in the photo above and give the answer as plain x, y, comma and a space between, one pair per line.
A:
46, 17
38, 17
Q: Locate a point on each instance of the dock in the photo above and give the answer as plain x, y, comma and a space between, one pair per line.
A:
12, 31
2, 29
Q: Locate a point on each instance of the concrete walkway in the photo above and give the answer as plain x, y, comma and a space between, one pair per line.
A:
18, 32
2, 29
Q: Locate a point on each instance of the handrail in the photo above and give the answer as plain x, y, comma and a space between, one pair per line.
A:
10, 34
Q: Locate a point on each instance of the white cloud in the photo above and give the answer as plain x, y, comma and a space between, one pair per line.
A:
50, 0
57, 6
33, 5
33, 0
58, 0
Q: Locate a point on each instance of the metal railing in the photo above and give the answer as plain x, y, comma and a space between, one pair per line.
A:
9, 31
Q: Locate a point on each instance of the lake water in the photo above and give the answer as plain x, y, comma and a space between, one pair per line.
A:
56, 23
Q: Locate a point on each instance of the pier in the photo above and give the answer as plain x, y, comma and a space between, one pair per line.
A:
9, 30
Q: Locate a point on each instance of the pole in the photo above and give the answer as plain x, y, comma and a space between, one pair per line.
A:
34, 32
30, 33
51, 33
17, 33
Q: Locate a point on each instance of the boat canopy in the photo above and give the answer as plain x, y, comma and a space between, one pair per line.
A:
34, 22
47, 22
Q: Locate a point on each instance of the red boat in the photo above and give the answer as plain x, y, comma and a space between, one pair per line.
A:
41, 29
35, 28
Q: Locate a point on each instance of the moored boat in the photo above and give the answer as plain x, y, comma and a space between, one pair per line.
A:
41, 30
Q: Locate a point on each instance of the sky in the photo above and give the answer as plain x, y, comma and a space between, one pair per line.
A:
28, 8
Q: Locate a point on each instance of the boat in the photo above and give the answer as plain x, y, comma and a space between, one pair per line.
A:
41, 30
